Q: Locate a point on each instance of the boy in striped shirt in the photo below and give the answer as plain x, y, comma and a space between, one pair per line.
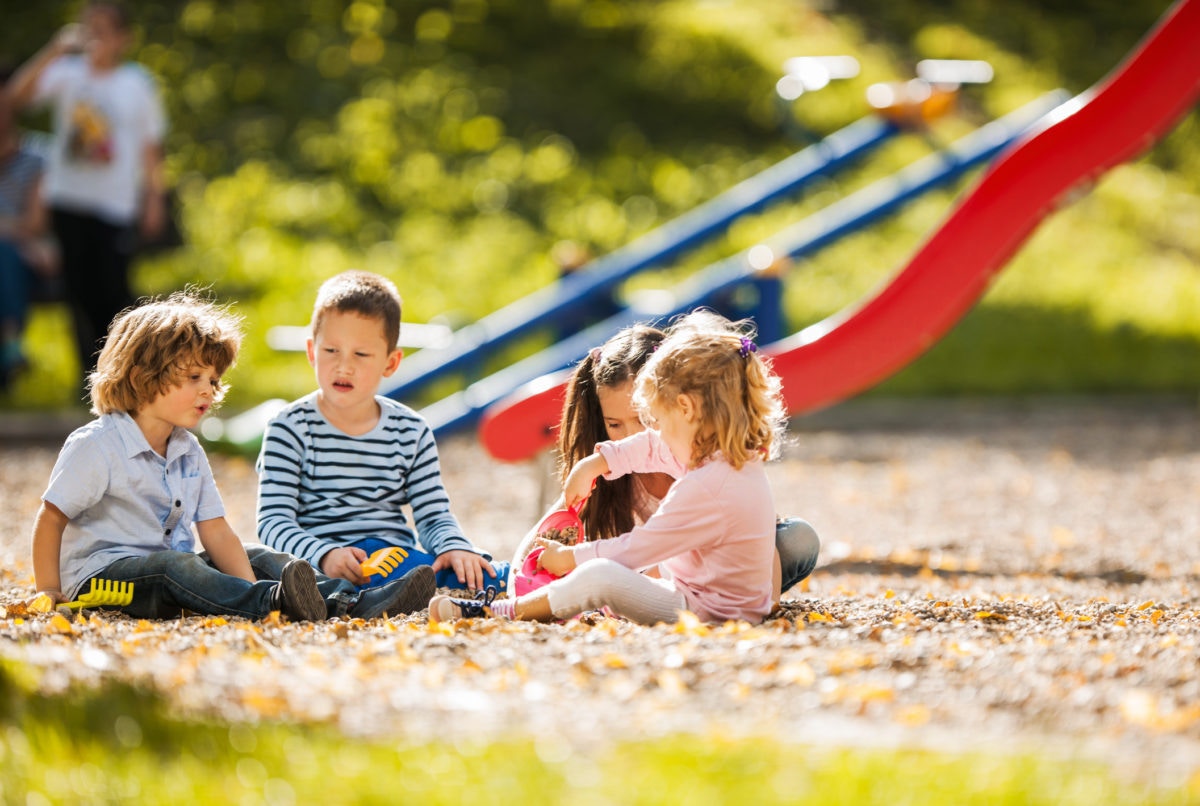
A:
339, 466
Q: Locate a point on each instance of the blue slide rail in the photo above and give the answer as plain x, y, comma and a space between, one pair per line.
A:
842, 218
557, 304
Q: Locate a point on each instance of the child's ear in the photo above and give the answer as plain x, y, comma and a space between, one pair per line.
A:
393, 362
310, 349
687, 406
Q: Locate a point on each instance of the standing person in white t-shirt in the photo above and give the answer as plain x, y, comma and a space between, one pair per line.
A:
103, 181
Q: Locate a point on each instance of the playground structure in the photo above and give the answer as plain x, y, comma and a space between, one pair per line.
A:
582, 292
1051, 148
1077, 142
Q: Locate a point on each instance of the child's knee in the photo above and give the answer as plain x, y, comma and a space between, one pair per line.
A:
589, 587
796, 537
596, 570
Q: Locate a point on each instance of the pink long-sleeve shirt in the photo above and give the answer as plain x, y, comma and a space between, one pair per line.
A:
714, 532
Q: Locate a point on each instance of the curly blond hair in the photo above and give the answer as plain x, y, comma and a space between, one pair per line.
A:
149, 348
715, 362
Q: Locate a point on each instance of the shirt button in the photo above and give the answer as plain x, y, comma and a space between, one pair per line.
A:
178, 503
167, 532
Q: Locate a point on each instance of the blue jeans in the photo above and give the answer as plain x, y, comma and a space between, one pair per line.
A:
798, 547
446, 578
167, 582
340, 595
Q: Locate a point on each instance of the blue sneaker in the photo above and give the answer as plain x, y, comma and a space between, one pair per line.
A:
447, 608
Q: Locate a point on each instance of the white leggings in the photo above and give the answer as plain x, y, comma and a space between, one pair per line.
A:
604, 583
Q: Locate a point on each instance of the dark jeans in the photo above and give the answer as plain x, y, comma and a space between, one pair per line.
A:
95, 266
340, 594
166, 583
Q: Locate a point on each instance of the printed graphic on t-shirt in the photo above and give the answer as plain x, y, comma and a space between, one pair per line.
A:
91, 134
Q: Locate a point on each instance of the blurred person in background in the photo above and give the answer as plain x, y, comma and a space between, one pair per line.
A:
24, 253
103, 179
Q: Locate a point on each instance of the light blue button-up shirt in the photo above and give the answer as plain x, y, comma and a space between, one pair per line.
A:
124, 500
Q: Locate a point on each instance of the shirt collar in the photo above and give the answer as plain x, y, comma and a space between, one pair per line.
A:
135, 441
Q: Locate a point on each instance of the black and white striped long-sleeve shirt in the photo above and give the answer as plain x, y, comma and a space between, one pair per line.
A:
319, 488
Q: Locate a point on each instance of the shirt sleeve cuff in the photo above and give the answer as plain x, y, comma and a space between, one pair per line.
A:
586, 551
612, 458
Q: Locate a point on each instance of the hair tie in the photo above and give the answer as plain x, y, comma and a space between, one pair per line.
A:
748, 346
594, 354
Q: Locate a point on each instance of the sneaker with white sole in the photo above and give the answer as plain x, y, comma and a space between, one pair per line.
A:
449, 608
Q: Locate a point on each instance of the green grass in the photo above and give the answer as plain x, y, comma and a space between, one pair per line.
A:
119, 744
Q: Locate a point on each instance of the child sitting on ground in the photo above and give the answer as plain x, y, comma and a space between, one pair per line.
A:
338, 466
597, 407
129, 486
714, 416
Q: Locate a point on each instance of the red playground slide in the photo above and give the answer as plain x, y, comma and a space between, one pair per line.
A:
1133, 108
1114, 122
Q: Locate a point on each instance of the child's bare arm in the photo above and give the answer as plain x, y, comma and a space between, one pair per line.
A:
48, 529
224, 548
579, 481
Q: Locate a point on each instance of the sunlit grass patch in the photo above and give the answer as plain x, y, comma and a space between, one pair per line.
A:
118, 743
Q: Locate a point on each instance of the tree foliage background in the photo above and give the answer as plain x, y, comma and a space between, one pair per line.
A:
469, 148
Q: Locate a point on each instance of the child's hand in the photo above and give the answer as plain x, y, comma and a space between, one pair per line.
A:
555, 557
36, 602
471, 569
583, 475
69, 39
345, 563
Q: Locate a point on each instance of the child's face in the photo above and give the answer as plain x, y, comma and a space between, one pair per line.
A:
677, 425
351, 357
616, 405
185, 403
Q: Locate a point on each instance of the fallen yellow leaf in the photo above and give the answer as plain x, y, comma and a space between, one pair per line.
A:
614, 661
442, 627
690, 624
42, 603
59, 625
